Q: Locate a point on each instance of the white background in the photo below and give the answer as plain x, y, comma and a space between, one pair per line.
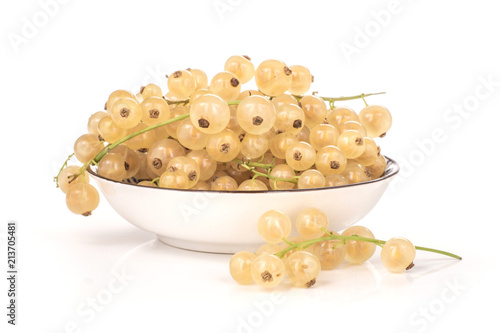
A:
431, 57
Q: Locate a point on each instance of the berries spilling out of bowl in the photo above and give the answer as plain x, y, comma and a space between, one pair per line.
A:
300, 259
214, 135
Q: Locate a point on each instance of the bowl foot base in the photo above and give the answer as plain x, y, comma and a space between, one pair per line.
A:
208, 247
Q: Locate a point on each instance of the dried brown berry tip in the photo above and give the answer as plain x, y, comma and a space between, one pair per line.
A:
157, 163
334, 165
235, 82
257, 120
368, 173
124, 112
297, 123
224, 148
310, 283
287, 70
154, 113
266, 276
192, 175
203, 123
177, 74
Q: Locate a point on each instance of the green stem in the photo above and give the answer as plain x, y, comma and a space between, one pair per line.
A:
169, 102
364, 101
254, 164
130, 136
268, 176
421, 248
286, 241
103, 152
56, 178
307, 243
109, 147
328, 99
348, 98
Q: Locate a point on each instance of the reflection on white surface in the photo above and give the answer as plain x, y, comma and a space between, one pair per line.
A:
166, 282
106, 275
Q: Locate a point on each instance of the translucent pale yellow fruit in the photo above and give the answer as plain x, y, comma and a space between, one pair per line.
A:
87, 147
268, 270
82, 199
240, 267
112, 166
311, 222
302, 269
358, 252
273, 226
256, 114
311, 179
126, 113
210, 114
226, 85
241, 66
397, 254
273, 77
300, 155
181, 84
66, 178
351, 143
330, 253
376, 119
301, 80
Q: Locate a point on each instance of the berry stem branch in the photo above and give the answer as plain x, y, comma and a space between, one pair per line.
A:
169, 102
109, 147
56, 178
254, 164
307, 243
348, 98
364, 101
130, 136
276, 179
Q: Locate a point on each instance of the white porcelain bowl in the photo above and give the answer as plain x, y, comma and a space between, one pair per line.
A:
226, 222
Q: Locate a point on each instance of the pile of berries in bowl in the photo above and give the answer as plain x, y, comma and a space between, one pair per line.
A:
197, 162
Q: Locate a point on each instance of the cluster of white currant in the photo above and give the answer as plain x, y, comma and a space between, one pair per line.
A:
301, 258
205, 135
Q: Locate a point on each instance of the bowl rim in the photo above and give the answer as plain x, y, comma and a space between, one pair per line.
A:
392, 168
